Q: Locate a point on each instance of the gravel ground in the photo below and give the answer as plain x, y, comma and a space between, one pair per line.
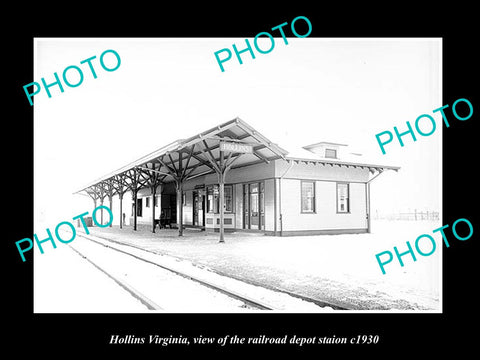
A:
337, 269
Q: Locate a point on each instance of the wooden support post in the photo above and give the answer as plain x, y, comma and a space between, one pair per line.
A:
110, 199
134, 188
221, 178
154, 188
135, 209
120, 196
180, 207
180, 195
101, 210
102, 196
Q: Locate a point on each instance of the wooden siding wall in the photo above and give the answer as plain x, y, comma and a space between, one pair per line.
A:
325, 216
269, 205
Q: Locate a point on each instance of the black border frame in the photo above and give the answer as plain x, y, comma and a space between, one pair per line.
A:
87, 334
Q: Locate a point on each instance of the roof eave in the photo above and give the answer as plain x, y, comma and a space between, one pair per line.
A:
345, 163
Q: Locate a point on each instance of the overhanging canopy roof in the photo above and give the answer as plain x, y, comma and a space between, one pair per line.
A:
188, 158
199, 155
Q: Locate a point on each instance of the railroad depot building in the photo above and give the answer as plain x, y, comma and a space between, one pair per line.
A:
263, 188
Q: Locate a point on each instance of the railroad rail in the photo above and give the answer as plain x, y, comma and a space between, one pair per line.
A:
248, 300
150, 304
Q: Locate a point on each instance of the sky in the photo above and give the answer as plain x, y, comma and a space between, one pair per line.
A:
311, 90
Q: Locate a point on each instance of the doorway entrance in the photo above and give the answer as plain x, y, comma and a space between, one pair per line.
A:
198, 208
253, 206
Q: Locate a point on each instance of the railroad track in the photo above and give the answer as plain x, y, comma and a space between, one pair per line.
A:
150, 304
248, 301
251, 302
317, 302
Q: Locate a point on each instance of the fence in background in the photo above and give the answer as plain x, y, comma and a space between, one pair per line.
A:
414, 216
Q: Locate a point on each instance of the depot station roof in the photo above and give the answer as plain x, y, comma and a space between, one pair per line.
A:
200, 155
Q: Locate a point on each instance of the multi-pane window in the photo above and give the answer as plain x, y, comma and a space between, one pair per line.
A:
331, 153
228, 192
308, 196
213, 198
343, 198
